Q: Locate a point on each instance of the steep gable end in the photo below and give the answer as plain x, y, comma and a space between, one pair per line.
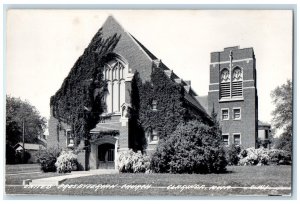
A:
111, 26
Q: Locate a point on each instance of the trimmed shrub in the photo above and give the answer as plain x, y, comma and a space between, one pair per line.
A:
47, 159
133, 162
232, 154
66, 162
192, 148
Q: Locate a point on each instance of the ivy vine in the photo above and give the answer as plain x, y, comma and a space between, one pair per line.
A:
79, 100
172, 107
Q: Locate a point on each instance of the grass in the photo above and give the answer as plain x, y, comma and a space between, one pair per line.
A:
17, 168
237, 176
15, 174
17, 179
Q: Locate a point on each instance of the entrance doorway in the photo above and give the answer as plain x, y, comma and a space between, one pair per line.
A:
106, 156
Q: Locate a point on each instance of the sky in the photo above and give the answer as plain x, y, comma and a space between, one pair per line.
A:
43, 45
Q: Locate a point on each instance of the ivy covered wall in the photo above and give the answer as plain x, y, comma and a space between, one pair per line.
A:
79, 100
171, 107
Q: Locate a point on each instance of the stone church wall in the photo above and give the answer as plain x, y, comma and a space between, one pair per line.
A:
57, 140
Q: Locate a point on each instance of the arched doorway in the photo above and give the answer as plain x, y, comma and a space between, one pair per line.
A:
106, 156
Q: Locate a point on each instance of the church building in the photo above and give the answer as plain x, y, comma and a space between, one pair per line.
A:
118, 67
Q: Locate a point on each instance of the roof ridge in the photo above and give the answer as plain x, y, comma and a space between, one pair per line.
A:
150, 54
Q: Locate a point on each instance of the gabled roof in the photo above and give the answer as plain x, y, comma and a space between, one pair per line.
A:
112, 26
203, 101
152, 56
28, 146
190, 94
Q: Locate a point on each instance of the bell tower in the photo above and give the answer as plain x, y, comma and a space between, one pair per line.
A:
233, 95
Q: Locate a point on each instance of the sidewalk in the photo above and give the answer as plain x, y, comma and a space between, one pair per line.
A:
54, 181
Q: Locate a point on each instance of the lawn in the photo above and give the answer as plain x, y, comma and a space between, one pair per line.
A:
15, 174
19, 168
17, 179
156, 184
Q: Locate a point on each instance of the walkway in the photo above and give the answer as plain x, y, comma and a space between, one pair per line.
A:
54, 181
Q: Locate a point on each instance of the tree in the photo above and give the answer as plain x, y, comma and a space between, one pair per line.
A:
20, 112
216, 124
283, 114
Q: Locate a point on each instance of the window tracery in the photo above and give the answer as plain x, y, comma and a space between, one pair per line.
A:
115, 71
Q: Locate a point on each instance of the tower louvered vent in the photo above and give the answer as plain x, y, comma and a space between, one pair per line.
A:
225, 84
225, 90
231, 86
237, 82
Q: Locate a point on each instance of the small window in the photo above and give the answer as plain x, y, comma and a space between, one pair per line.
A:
237, 139
225, 114
152, 136
154, 105
70, 139
236, 113
225, 139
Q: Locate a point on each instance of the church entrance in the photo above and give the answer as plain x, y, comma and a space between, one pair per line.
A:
106, 156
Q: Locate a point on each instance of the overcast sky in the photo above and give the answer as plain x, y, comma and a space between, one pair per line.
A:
43, 45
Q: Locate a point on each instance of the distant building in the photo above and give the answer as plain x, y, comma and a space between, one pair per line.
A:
264, 131
32, 149
233, 95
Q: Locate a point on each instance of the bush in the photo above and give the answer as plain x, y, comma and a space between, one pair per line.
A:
10, 154
47, 159
263, 156
191, 148
279, 157
133, 162
66, 162
19, 157
232, 154
263, 143
252, 156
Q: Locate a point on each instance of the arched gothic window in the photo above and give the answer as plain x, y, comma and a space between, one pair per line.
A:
115, 72
224, 83
237, 82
